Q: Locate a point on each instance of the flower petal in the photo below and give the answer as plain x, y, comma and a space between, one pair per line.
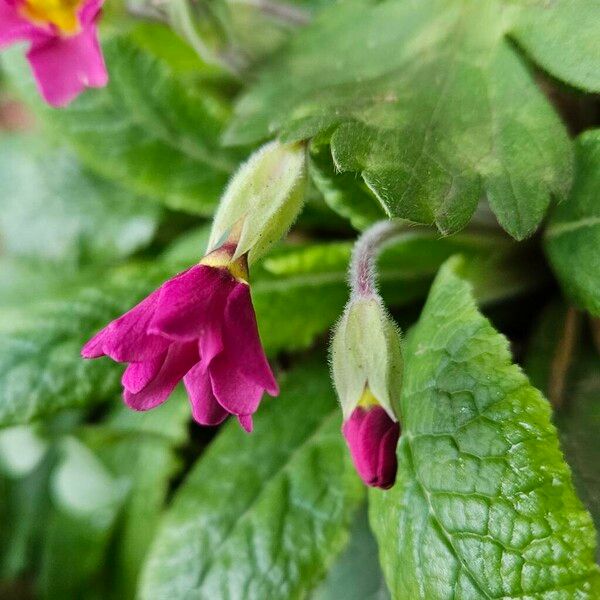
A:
372, 438
190, 301
205, 408
64, 66
126, 339
89, 11
179, 360
14, 28
138, 375
233, 391
242, 340
246, 422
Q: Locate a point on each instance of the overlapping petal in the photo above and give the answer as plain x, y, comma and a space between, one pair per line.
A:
372, 438
64, 66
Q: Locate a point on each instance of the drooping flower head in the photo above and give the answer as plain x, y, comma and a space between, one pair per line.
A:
372, 437
64, 52
367, 365
199, 326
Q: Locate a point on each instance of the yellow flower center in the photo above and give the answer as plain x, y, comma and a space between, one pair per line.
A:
367, 399
221, 258
61, 13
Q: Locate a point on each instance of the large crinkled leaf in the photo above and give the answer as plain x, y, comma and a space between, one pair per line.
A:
484, 506
564, 364
152, 129
261, 516
297, 295
53, 208
573, 233
428, 101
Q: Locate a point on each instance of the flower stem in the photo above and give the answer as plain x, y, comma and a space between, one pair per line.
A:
362, 275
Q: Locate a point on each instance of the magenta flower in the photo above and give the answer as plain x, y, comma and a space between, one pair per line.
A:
200, 327
372, 438
64, 53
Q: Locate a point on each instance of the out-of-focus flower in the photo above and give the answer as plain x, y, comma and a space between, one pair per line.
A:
64, 52
199, 326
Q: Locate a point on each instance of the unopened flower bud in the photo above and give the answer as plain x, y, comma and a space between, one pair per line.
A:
367, 372
262, 200
372, 438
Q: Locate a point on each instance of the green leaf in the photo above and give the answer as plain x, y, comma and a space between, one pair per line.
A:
152, 129
52, 208
356, 575
562, 36
428, 101
87, 500
261, 516
41, 370
24, 505
140, 450
573, 234
344, 192
484, 505
579, 422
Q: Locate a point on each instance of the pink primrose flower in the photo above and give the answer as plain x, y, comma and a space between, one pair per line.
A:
64, 52
198, 326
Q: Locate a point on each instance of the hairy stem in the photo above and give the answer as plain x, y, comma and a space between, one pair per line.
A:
362, 275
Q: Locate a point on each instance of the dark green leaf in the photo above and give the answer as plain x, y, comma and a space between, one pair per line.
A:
573, 234
427, 101
261, 516
356, 575
484, 506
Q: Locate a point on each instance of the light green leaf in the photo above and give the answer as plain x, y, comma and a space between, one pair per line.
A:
562, 36
261, 516
152, 129
24, 504
139, 448
87, 500
573, 234
484, 505
427, 101
52, 208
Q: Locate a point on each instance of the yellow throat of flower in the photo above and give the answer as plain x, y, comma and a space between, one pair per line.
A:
60, 13
367, 399
221, 258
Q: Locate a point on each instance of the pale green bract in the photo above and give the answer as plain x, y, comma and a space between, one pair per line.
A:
429, 101
484, 505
